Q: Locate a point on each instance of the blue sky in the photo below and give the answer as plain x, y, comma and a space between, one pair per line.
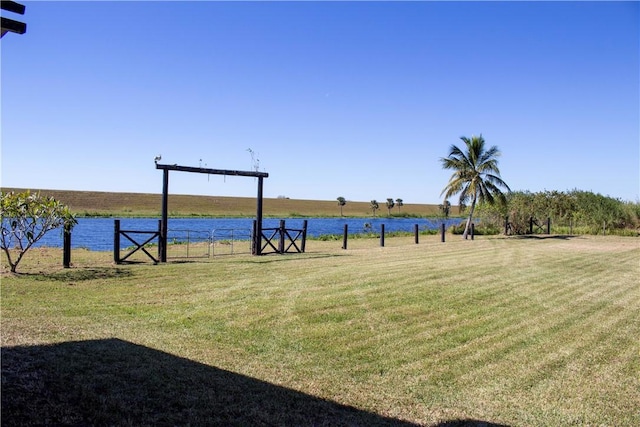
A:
351, 99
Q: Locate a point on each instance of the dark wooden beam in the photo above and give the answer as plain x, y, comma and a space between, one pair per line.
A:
212, 171
12, 6
13, 26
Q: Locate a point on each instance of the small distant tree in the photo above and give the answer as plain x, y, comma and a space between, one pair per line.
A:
26, 218
445, 208
390, 205
341, 202
399, 204
374, 206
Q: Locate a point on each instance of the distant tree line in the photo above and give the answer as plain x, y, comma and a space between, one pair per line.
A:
576, 211
374, 205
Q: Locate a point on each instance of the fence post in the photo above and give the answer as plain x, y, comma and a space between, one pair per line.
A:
254, 240
415, 233
506, 225
160, 241
344, 237
442, 232
530, 225
281, 242
548, 225
382, 235
304, 236
66, 254
473, 230
116, 242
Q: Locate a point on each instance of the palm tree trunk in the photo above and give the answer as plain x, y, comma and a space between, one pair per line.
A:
468, 226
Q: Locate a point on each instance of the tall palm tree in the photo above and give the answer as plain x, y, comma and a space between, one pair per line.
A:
341, 202
390, 205
475, 175
399, 203
374, 206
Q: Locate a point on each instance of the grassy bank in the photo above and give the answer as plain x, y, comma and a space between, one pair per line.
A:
509, 331
95, 203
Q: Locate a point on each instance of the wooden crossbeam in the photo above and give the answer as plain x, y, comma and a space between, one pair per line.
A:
212, 171
12, 6
9, 25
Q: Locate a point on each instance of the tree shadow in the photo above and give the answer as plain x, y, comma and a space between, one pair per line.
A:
273, 257
545, 236
540, 236
114, 382
468, 423
82, 274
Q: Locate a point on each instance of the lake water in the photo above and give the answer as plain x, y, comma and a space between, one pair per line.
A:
97, 233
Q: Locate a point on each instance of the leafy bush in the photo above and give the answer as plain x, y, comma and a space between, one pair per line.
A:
579, 212
26, 218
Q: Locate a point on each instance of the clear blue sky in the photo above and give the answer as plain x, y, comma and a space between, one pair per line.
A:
351, 99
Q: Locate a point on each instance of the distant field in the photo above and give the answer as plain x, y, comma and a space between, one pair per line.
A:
143, 204
499, 331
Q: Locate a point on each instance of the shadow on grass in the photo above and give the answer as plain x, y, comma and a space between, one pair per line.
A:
468, 423
274, 257
545, 236
114, 382
81, 274
542, 236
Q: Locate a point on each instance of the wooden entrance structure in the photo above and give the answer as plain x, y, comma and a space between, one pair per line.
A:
257, 235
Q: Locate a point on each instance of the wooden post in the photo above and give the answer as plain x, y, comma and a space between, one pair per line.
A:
116, 241
530, 225
281, 242
254, 250
160, 238
473, 230
415, 233
506, 225
66, 253
304, 236
258, 234
442, 232
548, 225
344, 237
382, 235
162, 242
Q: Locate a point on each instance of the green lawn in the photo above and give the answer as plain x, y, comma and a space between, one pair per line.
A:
506, 331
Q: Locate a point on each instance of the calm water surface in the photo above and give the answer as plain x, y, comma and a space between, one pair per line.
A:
97, 233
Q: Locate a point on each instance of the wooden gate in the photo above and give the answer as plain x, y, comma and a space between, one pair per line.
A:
284, 238
138, 246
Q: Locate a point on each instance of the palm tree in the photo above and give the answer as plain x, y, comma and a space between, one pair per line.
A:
341, 202
390, 205
399, 203
475, 175
445, 207
374, 206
